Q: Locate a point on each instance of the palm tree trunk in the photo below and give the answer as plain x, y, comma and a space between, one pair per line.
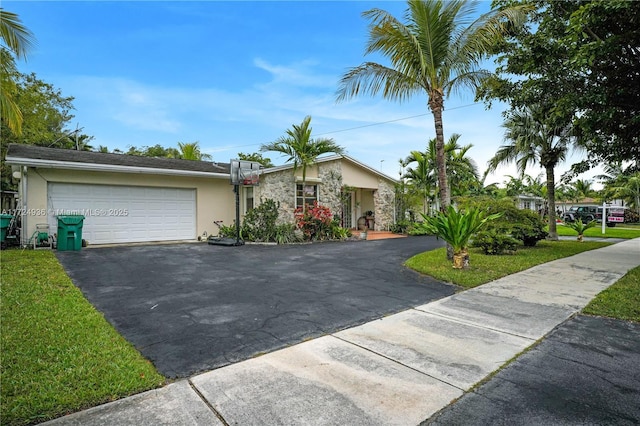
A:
436, 105
551, 199
441, 159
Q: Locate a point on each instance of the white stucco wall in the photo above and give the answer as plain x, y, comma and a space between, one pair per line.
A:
215, 199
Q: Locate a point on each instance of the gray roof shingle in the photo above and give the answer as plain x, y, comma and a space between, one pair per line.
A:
89, 157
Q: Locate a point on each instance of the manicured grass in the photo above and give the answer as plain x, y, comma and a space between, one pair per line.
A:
621, 300
59, 354
484, 268
616, 232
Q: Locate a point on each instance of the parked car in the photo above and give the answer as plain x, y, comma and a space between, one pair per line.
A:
584, 213
615, 214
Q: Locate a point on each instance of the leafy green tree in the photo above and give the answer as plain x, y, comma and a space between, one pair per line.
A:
437, 50
301, 148
191, 151
533, 138
257, 158
17, 40
580, 60
153, 151
45, 114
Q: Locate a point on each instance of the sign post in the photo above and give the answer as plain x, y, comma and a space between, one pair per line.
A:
604, 215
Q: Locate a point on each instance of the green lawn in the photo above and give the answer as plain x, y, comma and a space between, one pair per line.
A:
484, 268
621, 300
59, 354
620, 231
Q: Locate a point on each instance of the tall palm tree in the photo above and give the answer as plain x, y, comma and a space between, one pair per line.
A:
18, 41
584, 188
300, 148
462, 172
421, 176
436, 51
627, 188
533, 138
191, 151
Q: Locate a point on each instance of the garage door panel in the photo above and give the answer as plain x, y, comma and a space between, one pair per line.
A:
153, 214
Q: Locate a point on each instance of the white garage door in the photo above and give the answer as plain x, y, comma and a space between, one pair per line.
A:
125, 214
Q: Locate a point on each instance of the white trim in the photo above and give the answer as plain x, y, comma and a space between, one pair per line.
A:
55, 164
308, 180
333, 158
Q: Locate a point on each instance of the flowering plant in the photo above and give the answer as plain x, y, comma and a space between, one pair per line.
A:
315, 221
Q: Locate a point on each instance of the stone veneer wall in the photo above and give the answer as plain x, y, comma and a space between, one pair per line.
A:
279, 187
331, 186
384, 199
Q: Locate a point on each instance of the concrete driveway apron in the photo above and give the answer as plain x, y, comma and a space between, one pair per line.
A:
191, 308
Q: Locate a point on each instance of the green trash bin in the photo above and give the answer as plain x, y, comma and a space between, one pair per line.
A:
70, 232
5, 220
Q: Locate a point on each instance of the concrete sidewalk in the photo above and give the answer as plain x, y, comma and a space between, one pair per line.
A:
397, 370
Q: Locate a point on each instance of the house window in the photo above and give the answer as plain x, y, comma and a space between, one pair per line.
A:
526, 205
306, 195
248, 198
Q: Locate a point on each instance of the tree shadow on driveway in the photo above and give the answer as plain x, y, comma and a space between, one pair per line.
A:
191, 308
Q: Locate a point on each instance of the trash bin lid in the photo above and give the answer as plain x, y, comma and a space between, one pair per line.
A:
5, 216
71, 219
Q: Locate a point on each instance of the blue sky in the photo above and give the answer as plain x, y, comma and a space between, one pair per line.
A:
233, 75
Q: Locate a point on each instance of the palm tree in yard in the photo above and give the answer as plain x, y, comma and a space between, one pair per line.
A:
18, 40
300, 148
532, 138
420, 176
191, 151
584, 188
435, 51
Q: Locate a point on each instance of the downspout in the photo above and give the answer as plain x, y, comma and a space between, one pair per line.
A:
23, 211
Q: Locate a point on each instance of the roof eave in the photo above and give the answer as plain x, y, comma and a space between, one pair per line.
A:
92, 167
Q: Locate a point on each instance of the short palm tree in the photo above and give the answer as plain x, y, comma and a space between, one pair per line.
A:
580, 227
191, 151
534, 139
18, 40
457, 228
300, 148
435, 51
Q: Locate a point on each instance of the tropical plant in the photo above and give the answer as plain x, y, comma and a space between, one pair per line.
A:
315, 222
17, 40
626, 187
437, 50
462, 172
301, 148
584, 188
457, 228
580, 227
532, 138
191, 151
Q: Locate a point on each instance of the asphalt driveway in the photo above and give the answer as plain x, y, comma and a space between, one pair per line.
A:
194, 307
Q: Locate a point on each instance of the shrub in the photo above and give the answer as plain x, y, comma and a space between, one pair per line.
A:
631, 216
400, 227
287, 233
315, 221
260, 222
524, 225
493, 241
